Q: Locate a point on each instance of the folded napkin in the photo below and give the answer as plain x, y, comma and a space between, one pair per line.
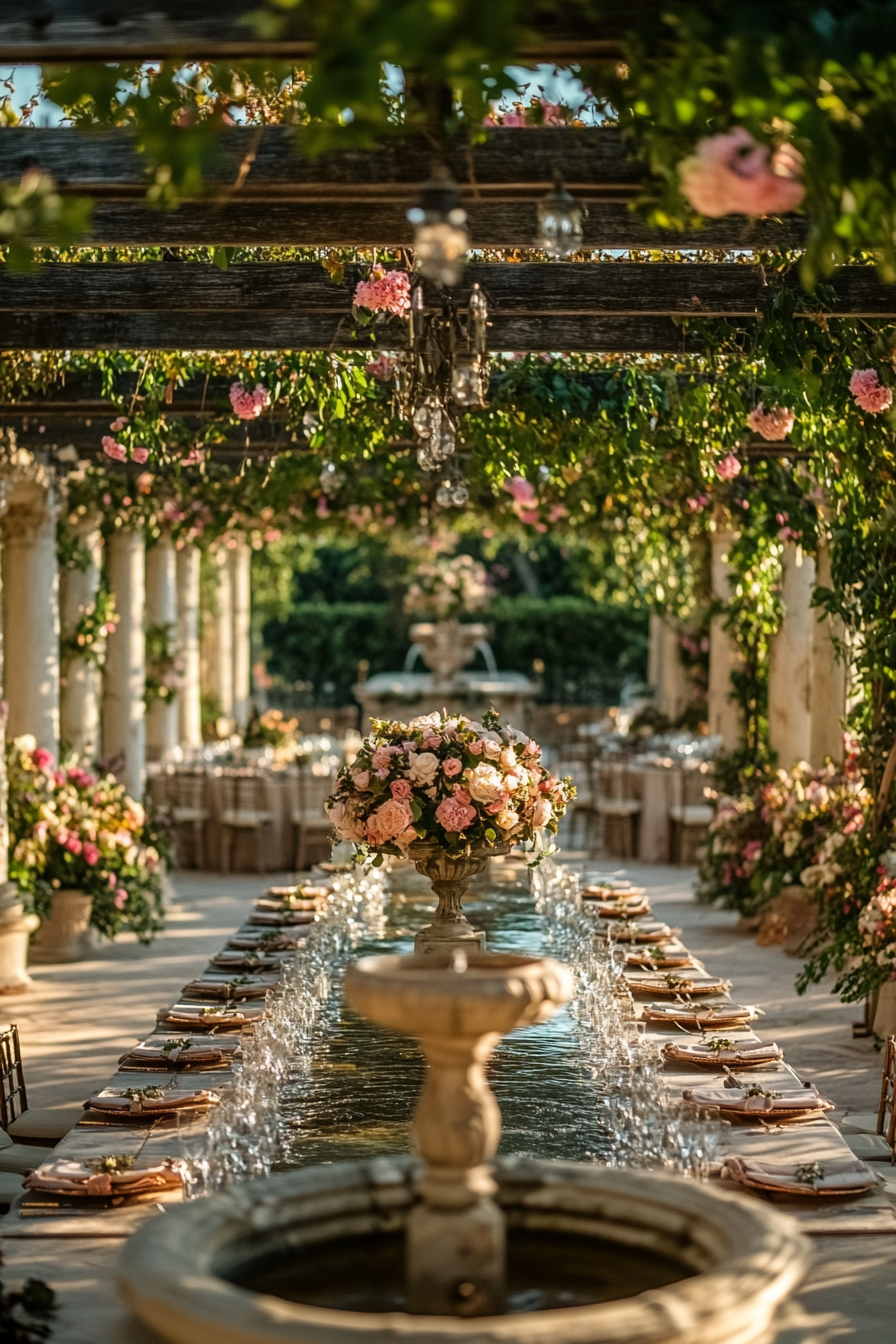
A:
248, 987
197, 1018
643, 931
708, 1014
275, 941
754, 1052
151, 1100
242, 961
658, 984
834, 1176
301, 903
738, 1099
614, 911
649, 963
281, 917
106, 1176
177, 1053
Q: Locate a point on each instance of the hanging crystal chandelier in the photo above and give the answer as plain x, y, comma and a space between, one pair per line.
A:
559, 222
441, 239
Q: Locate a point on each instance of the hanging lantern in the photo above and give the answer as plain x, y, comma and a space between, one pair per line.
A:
441, 239
469, 380
427, 419
559, 222
427, 460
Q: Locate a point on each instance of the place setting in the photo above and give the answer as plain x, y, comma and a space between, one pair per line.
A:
724, 1053
210, 1019
676, 985
756, 1105
181, 1054
233, 989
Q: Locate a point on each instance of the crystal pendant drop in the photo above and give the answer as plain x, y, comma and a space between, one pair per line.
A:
426, 458
444, 495
460, 495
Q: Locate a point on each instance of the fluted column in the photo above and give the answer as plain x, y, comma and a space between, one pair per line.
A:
31, 612
124, 683
217, 638
828, 674
241, 579
723, 715
790, 661
189, 709
666, 673
161, 613
81, 686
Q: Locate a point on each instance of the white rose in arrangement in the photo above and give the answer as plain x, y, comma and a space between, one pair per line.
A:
508, 819
424, 766
492, 750
541, 813
424, 721
485, 783
508, 758
512, 782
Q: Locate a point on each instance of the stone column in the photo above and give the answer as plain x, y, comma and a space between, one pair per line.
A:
790, 661
666, 672
79, 701
31, 612
161, 612
189, 711
828, 675
723, 715
217, 637
124, 683
241, 580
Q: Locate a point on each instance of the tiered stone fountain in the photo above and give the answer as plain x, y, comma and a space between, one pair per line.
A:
453, 1249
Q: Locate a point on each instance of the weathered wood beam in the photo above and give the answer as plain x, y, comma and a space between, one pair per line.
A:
530, 289
356, 198
199, 330
82, 30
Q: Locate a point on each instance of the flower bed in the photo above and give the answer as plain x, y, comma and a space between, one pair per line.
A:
448, 780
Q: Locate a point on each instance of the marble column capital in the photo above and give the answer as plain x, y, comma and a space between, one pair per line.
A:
29, 506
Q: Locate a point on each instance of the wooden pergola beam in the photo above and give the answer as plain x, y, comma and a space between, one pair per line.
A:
301, 291
125, 30
354, 198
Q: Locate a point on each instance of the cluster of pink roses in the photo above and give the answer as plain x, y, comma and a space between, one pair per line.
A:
385, 291
117, 451
382, 368
732, 174
449, 779
877, 922
249, 405
869, 392
773, 424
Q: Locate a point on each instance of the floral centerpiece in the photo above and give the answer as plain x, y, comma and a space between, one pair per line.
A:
72, 830
449, 780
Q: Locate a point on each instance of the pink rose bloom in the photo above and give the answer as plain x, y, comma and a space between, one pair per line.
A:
508, 819
731, 174
541, 813
455, 815
383, 368
381, 759
140, 454
476, 747
361, 779
118, 424
752, 850
532, 748
430, 742
346, 822
772, 425
385, 291
42, 758
388, 821
462, 794
73, 845
120, 898
401, 788
91, 855
869, 392
452, 766
406, 838
113, 449
727, 468
249, 405
520, 489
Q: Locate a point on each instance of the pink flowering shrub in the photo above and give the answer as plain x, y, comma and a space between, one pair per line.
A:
249, 405
382, 368
869, 393
728, 467
773, 424
450, 780
385, 292
732, 174
75, 830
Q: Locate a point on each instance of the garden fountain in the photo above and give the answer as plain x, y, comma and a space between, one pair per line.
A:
454, 1250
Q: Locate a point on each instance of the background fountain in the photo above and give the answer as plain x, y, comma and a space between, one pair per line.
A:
530, 1250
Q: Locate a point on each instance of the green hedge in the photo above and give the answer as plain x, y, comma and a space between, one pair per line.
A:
588, 649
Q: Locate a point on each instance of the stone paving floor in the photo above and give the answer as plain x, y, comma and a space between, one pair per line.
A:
80, 1018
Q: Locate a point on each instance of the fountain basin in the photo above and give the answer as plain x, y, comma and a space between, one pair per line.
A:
737, 1260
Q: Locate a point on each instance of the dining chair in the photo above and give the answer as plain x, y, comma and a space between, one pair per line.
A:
23, 1125
313, 828
615, 805
245, 811
887, 1106
692, 813
187, 794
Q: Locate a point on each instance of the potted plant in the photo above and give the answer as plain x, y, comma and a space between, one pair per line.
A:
81, 852
448, 793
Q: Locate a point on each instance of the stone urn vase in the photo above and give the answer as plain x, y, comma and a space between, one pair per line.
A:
64, 934
15, 929
788, 920
450, 876
446, 647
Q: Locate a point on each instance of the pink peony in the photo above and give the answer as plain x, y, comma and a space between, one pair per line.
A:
462, 794
91, 855
455, 815
385, 291
869, 392
401, 788
727, 468
383, 368
113, 449
389, 820
452, 766
772, 425
140, 454
120, 898
73, 845
731, 174
249, 405
431, 741
521, 490
42, 758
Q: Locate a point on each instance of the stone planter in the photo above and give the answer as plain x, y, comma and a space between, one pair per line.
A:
787, 920
446, 647
450, 877
737, 1259
64, 935
15, 930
